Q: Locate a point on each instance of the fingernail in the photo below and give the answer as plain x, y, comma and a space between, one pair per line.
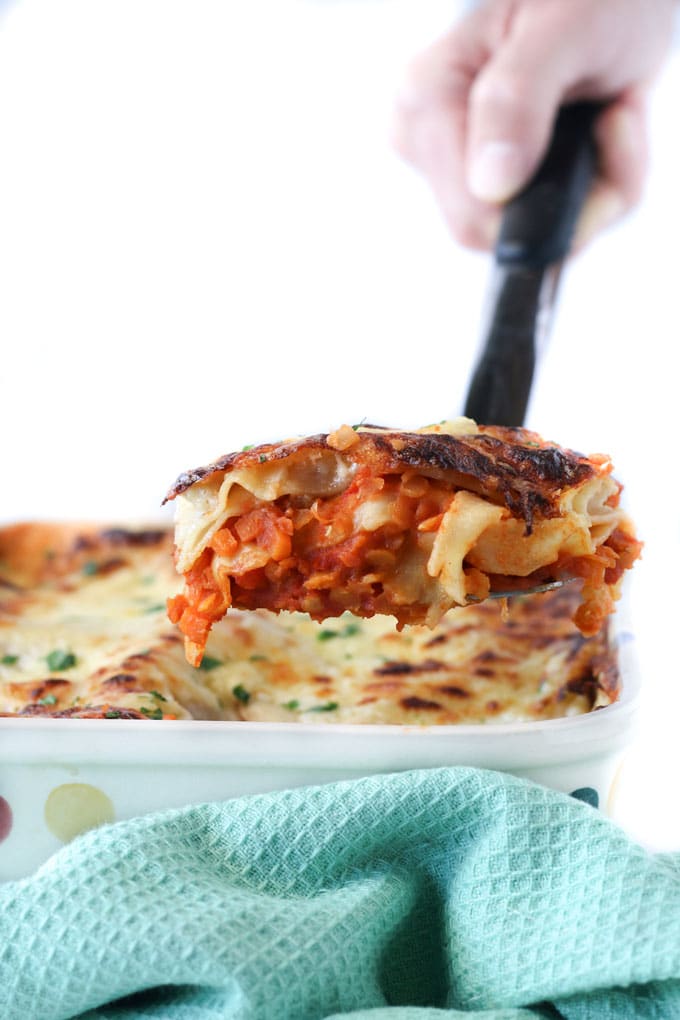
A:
496, 171
600, 211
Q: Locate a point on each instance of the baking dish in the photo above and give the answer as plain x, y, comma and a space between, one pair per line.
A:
61, 776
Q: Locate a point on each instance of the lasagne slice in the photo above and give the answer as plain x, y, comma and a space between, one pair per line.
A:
372, 520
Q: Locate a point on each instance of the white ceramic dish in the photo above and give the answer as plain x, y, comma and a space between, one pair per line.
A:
59, 777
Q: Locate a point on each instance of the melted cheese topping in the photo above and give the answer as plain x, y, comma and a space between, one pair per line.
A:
94, 636
100, 636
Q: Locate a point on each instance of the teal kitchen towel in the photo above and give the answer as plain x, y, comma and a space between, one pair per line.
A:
425, 895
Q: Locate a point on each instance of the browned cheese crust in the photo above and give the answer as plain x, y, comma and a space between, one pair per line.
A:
509, 466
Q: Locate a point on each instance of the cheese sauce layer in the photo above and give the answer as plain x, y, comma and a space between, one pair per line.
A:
84, 633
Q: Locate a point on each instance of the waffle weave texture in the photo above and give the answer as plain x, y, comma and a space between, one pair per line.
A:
443, 894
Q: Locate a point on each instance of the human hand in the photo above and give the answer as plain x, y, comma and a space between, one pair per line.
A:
476, 111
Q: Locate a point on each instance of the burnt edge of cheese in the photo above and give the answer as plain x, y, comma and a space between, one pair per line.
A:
46, 550
528, 477
86, 712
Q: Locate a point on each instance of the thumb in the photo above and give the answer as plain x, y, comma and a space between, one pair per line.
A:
512, 107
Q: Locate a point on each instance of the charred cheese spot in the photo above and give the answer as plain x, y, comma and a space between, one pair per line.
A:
410, 668
453, 691
415, 702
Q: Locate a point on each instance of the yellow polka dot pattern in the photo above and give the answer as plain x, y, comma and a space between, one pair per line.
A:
76, 807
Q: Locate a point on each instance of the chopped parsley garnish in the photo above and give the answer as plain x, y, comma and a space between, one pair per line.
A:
258, 658
241, 693
248, 446
330, 706
59, 659
291, 705
349, 630
158, 695
9, 660
90, 568
357, 427
112, 713
262, 458
152, 713
49, 699
156, 608
208, 663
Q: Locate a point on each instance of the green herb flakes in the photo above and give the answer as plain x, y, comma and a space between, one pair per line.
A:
261, 458
241, 693
258, 658
158, 695
158, 607
349, 630
248, 446
90, 568
291, 705
9, 660
49, 699
112, 713
152, 713
330, 706
60, 660
208, 663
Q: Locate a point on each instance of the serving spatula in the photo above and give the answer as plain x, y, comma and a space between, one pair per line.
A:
537, 230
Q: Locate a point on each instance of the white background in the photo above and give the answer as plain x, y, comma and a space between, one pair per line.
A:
206, 241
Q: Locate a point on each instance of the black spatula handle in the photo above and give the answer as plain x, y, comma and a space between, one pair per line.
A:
538, 224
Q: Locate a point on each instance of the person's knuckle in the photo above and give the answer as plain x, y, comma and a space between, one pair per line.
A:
508, 91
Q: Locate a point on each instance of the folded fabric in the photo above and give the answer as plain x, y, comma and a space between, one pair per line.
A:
431, 895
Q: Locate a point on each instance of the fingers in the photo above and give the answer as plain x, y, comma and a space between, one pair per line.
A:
512, 106
478, 108
430, 133
476, 114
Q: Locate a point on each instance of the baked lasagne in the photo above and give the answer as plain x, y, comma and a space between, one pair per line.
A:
371, 520
84, 634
